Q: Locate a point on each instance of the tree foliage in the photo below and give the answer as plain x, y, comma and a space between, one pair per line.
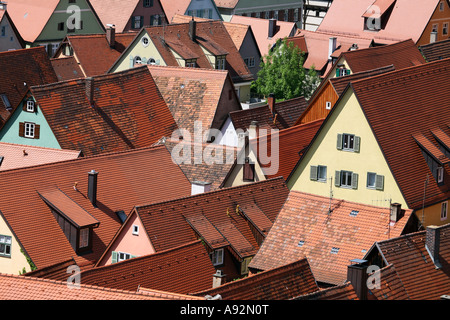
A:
282, 73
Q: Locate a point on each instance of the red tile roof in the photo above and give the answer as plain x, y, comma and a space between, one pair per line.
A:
21, 69
225, 210
436, 51
117, 12
184, 269
413, 265
395, 123
67, 68
125, 179
282, 283
128, 112
341, 292
305, 228
13, 287
391, 286
99, 61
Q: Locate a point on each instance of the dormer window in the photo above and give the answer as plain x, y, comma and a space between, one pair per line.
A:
191, 63
6, 102
440, 174
30, 106
220, 62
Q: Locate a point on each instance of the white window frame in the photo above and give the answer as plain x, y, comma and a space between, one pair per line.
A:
321, 173
218, 257
444, 210
84, 238
145, 41
369, 186
30, 106
29, 130
135, 230
137, 60
5, 246
328, 105
440, 174
122, 256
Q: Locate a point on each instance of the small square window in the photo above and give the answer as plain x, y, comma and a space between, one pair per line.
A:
30, 106
135, 229
61, 26
217, 257
334, 250
328, 105
346, 179
5, 245
445, 29
354, 213
321, 173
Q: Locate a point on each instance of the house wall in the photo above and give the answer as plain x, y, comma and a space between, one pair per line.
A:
348, 118
17, 261
137, 48
203, 9
236, 175
317, 108
228, 102
332, 73
126, 241
8, 39
249, 49
10, 132
51, 35
229, 136
438, 18
431, 215
146, 12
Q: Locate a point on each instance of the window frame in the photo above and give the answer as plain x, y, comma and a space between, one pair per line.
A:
31, 128
6, 245
444, 210
445, 29
440, 174
220, 62
135, 230
84, 238
348, 177
147, 3
217, 257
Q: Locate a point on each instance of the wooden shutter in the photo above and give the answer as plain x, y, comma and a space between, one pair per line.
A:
152, 19
132, 22
114, 257
21, 129
37, 131
379, 182
141, 22
356, 144
354, 181
339, 141
249, 170
347, 71
313, 173
337, 178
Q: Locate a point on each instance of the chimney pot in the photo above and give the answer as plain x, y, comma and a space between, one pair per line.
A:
111, 36
218, 278
90, 90
192, 29
432, 244
92, 186
396, 212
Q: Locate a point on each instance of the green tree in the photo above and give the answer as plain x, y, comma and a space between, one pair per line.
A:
282, 73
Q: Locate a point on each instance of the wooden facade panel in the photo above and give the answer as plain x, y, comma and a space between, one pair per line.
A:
317, 109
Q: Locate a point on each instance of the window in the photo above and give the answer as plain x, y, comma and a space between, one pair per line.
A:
61, 26
441, 6
123, 256
318, 173
84, 238
5, 101
301, 243
220, 62
30, 106
145, 41
354, 213
440, 174
148, 3
250, 62
334, 250
445, 29
340, 72
5, 246
375, 181
29, 130
135, 230
137, 60
3, 31
191, 63
137, 22
328, 105
348, 142
444, 210
151, 61
346, 179
435, 28
217, 257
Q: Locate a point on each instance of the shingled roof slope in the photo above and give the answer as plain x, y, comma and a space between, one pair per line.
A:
184, 269
21, 69
67, 68
117, 12
341, 292
436, 51
418, 116
282, 283
128, 112
306, 228
125, 179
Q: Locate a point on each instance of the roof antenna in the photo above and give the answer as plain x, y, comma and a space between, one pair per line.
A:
423, 201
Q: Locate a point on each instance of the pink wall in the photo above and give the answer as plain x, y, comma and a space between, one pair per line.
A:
136, 245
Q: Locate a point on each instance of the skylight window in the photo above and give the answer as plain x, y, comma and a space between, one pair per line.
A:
301, 243
5, 101
354, 213
334, 250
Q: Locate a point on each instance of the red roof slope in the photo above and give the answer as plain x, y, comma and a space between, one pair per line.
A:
305, 228
413, 265
67, 68
282, 283
183, 269
21, 69
167, 223
436, 51
341, 292
391, 287
125, 179
128, 112
414, 101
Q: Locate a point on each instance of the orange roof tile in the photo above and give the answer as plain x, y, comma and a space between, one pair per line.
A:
391, 286
174, 7
436, 51
128, 112
183, 269
117, 12
20, 156
67, 68
401, 88
305, 228
125, 179
13, 287
341, 292
282, 283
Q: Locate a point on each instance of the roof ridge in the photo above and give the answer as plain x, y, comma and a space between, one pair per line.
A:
267, 181
187, 70
411, 234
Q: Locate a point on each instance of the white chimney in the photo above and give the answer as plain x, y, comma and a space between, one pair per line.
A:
198, 187
396, 212
331, 46
218, 279
433, 36
253, 130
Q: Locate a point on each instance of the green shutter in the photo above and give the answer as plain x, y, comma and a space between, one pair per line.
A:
114, 257
357, 144
337, 178
141, 23
313, 173
379, 182
354, 181
347, 72
337, 72
339, 141
132, 22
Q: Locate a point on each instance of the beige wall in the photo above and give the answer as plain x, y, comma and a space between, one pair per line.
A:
431, 215
237, 173
347, 118
17, 261
332, 73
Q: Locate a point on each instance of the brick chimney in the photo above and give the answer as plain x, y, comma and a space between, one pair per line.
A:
357, 275
192, 29
92, 187
272, 27
90, 90
218, 279
111, 35
432, 244
271, 103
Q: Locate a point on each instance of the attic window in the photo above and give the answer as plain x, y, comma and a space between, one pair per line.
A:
148, 3
30, 106
334, 250
220, 62
5, 101
135, 230
249, 170
301, 243
5, 246
145, 41
354, 213
440, 174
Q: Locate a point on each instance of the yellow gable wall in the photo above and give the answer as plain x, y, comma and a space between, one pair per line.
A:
332, 73
347, 118
137, 48
235, 177
17, 261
